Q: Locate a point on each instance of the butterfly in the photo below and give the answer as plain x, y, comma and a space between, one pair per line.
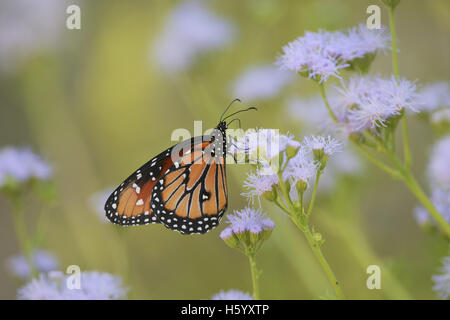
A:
184, 187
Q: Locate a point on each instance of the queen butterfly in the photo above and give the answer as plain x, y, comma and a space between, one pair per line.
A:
184, 187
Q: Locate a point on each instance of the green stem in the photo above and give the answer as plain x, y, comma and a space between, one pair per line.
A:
297, 219
325, 100
426, 202
393, 42
255, 275
323, 262
406, 149
22, 234
394, 173
313, 197
412, 184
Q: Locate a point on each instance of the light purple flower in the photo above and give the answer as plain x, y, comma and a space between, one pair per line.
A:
247, 219
422, 216
43, 261
369, 102
328, 144
359, 41
435, 96
442, 280
259, 183
311, 112
439, 164
97, 203
232, 295
93, 286
190, 30
22, 164
96, 286
441, 115
301, 167
322, 54
305, 55
259, 83
29, 27
40, 289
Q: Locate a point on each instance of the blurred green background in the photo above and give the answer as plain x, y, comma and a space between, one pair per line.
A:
96, 106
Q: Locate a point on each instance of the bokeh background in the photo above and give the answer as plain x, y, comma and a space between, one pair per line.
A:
96, 103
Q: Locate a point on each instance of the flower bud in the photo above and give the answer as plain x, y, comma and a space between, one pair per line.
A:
291, 151
270, 195
301, 186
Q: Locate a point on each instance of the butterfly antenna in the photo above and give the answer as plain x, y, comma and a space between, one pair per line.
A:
235, 119
231, 103
243, 110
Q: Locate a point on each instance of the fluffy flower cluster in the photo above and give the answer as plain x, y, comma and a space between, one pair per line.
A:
370, 102
257, 184
247, 219
260, 83
302, 166
442, 280
322, 54
21, 164
94, 286
191, 30
232, 295
43, 261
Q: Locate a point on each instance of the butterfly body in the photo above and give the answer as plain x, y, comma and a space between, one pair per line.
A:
184, 187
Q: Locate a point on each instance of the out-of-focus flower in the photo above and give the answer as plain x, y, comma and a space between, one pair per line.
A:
43, 261
439, 164
96, 286
190, 30
21, 164
441, 116
370, 102
311, 112
260, 83
40, 289
97, 203
422, 216
232, 295
322, 54
441, 200
93, 286
435, 96
442, 280
28, 27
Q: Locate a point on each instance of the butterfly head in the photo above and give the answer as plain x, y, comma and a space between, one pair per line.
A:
222, 127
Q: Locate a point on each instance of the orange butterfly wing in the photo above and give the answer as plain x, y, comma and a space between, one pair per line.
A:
130, 203
192, 196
